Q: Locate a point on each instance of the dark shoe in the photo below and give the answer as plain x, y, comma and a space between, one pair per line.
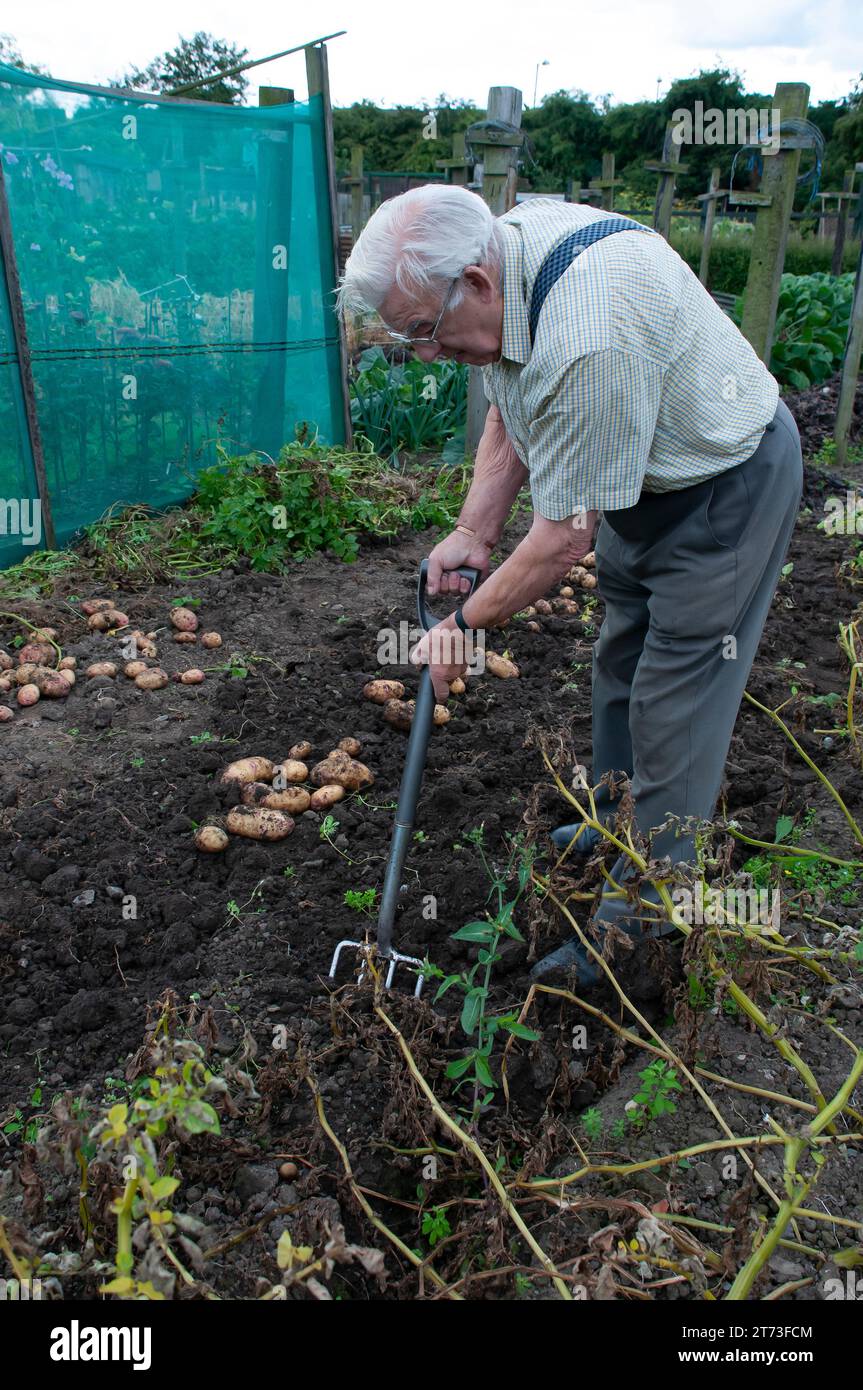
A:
573, 953
585, 843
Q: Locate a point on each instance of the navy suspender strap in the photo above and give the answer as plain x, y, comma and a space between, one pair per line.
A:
560, 258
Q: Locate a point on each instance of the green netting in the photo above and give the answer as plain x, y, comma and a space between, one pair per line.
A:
176, 268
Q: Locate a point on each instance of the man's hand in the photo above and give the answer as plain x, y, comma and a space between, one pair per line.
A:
455, 550
440, 649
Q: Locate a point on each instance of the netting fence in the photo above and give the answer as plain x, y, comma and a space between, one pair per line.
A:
174, 266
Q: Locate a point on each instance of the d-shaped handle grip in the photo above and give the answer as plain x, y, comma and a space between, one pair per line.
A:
426, 618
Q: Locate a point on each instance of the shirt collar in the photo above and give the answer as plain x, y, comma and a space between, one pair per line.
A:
515, 344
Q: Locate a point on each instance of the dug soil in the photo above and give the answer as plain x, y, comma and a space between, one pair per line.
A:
107, 908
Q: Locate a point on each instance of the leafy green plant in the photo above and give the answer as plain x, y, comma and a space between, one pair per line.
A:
177, 1100
835, 883
361, 901
410, 405
811, 327
435, 1226
653, 1098
592, 1124
474, 1067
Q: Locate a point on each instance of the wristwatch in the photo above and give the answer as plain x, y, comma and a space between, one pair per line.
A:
460, 621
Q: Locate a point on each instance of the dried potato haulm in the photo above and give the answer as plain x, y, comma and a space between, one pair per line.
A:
258, 823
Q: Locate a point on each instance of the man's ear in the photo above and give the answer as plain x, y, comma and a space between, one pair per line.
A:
481, 283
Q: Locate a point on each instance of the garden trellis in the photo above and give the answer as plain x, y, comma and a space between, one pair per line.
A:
168, 276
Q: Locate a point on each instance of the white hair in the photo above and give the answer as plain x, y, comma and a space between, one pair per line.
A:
420, 241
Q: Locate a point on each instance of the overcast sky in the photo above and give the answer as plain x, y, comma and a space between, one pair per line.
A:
408, 52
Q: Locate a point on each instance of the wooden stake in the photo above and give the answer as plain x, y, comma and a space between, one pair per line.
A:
774, 202
317, 74
850, 370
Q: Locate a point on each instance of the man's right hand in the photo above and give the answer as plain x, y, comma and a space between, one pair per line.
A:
456, 550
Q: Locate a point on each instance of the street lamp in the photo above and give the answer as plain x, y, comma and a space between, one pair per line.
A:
543, 64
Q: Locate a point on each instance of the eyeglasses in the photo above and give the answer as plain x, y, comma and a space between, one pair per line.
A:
406, 338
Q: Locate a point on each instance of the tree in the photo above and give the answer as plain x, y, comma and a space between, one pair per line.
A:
190, 61
10, 55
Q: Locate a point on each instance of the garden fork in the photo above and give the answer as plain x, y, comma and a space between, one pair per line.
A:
409, 791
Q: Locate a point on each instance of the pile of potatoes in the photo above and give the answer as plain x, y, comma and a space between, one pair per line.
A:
36, 674
400, 712
581, 577
103, 617
272, 794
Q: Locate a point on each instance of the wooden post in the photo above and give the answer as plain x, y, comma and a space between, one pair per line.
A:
774, 202
317, 75
24, 363
667, 168
607, 183
497, 150
271, 303
842, 224
456, 169
708, 201
357, 184
850, 370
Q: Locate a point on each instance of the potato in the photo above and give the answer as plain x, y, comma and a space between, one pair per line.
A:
6, 662
211, 839
457, 687
24, 674
154, 678
300, 751
6, 714
534, 627
567, 591
249, 770
326, 796
211, 639
292, 799
381, 691
577, 574
253, 793
338, 767
68, 676
28, 695
51, 684
67, 663
589, 560
40, 652
292, 770
5, 684
95, 605
134, 668
566, 605
542, 605
351, 746
259, 823
45, 634
101, 668
400, 713
191, 677
589, 581
500, 666
107, 619
184, 620
144, 643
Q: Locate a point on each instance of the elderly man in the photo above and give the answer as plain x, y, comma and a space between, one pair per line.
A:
618, 390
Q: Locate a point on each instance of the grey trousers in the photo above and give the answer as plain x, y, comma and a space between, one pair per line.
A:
687, 579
